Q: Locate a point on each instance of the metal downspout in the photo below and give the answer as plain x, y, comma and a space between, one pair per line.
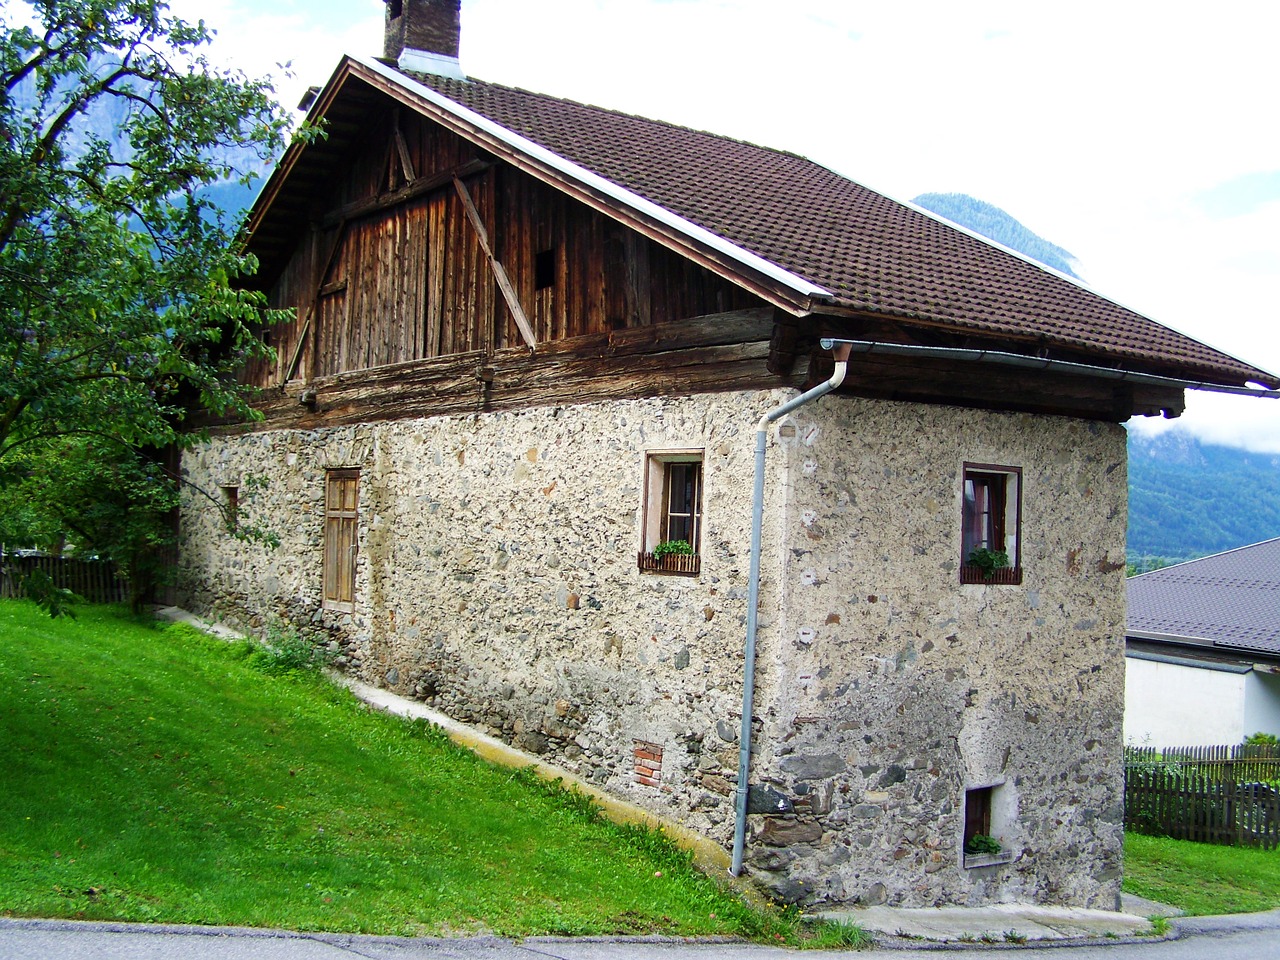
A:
753, 588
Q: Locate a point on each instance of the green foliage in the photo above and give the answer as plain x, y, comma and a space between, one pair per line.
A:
98, 497
672, 548
1261, 739
117, 290
1142, 565
40, 589
283, 650
988, 561
981, 843
120, 303
834, 935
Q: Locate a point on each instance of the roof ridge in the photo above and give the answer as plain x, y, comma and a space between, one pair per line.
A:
1211, 556
429, 78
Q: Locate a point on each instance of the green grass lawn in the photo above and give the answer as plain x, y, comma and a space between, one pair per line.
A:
1201, 878
150, 773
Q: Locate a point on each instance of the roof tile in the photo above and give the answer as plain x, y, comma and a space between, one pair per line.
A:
872, 253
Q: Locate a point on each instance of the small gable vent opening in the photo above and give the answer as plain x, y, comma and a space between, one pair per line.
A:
544, 270
394, 9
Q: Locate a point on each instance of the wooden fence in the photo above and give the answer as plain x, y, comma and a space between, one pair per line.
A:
1243, 762
1210, 794
95, 580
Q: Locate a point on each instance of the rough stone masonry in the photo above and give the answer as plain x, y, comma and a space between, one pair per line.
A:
496, 579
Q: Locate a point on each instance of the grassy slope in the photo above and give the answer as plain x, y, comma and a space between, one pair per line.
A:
153, 774
1201, 878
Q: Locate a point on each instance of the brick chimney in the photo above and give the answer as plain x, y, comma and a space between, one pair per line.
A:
422, 36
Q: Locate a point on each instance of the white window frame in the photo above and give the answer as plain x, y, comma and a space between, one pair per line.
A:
655, 516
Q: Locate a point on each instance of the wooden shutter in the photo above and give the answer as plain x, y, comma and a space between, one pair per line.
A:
341, 499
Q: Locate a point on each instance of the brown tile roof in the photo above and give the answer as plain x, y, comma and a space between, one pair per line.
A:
872, 253
1229, 600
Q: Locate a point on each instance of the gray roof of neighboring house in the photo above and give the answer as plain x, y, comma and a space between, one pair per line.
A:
1227, 601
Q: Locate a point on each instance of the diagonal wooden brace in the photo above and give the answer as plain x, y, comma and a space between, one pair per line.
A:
499, 272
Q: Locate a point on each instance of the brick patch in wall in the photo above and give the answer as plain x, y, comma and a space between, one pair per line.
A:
648, 762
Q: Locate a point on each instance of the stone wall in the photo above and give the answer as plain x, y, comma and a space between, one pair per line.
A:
898, 688
497, 581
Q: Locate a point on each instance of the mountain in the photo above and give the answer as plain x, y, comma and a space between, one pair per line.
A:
1188, 499
994, 224
105, 122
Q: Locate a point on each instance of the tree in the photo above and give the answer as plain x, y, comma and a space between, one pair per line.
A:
119, 294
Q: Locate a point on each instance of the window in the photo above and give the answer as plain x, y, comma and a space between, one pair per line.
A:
986, 822
673, 512
991, 519
341, 497
544, 269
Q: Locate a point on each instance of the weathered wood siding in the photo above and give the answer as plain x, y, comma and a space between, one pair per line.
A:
392, 281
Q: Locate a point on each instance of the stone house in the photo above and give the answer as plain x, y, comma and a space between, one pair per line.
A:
535, 342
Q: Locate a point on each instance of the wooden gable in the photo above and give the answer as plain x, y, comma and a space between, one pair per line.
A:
391, 268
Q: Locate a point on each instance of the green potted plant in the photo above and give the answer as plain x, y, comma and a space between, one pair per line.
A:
671, 556
988, 561
982, 845
672, 548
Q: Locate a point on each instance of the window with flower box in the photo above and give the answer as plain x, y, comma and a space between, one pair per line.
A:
991, 521
672, 512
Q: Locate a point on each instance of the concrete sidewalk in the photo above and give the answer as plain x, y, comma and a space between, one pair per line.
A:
997, 923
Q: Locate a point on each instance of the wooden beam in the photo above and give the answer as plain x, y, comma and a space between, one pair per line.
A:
782, 345
499, 272
415, 188
406, 162
302, 341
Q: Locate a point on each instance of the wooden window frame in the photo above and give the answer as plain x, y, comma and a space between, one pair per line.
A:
659, 468
1000, 522
341, 538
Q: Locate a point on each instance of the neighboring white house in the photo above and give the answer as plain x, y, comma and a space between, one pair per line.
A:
1203, 650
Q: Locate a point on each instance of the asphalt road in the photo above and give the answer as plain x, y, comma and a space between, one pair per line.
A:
1252, 937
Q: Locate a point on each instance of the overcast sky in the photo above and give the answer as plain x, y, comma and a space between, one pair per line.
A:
1143, 137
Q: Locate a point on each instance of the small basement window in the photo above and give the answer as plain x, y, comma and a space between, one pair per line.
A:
982, 846
990, 523
544, 270
672, 512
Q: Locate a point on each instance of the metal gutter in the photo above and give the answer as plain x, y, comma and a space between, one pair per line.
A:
1236, 668
1041, 363
598, 183
753, 597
